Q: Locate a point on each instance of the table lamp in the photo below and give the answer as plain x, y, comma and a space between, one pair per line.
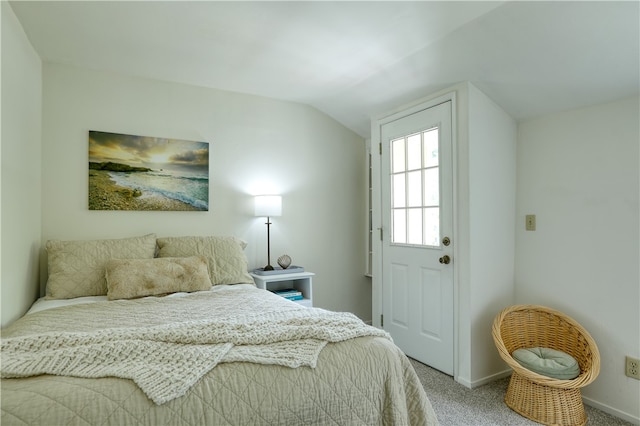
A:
268, 205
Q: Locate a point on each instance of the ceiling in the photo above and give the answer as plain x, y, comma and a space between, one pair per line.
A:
353, 60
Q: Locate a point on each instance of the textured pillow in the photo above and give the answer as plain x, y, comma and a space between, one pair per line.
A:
130, 278
548, 362
227, 261
76, 268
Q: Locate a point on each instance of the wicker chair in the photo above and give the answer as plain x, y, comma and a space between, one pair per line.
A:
540, 398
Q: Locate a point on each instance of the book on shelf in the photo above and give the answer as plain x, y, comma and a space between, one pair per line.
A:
289, 293
298, 297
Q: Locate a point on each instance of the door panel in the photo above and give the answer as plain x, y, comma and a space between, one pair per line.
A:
431, 306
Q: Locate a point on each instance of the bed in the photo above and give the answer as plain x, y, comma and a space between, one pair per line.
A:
177, 334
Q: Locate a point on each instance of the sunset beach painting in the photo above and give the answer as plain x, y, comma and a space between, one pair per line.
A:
128, 172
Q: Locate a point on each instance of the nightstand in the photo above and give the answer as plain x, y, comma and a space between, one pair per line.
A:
301, 281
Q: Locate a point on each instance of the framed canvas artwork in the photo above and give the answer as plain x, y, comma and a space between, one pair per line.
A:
128, 172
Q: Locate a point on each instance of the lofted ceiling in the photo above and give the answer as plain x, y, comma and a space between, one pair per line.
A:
353, 60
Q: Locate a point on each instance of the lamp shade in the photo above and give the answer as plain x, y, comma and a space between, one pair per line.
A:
268, 205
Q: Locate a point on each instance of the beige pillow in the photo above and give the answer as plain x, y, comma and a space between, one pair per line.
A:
77, 268
130, 278
225, 255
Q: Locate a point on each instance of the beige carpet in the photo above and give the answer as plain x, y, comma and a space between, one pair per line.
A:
456, 405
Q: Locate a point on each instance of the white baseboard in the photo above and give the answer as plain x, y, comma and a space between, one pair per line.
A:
488, 379
613, 411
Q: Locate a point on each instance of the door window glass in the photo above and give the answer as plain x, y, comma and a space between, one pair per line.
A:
415, 189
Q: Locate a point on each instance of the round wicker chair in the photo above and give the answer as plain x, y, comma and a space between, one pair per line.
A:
540, 398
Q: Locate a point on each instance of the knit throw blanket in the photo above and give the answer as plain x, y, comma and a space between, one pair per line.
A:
165, 355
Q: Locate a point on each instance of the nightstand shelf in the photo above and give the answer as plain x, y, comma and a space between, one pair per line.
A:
301, 281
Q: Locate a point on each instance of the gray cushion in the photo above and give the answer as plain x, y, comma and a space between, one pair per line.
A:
548, 362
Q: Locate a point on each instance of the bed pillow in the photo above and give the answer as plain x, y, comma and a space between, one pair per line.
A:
225, 256
77, 268
131, 278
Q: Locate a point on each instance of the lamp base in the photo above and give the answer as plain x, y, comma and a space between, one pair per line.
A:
268, 268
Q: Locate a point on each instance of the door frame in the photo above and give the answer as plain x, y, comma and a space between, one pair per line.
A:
376, 204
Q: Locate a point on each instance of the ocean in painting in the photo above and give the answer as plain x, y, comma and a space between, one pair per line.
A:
179, 185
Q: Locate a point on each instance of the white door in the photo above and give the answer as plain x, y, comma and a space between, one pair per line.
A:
417, 246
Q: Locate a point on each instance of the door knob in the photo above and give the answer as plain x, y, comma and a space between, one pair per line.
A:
445, 259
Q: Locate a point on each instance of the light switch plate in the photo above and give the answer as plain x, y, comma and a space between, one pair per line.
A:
530, 222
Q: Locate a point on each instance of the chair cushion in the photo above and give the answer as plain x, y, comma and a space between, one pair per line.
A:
548, 362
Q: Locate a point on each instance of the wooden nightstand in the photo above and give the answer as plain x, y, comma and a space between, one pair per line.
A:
301, 281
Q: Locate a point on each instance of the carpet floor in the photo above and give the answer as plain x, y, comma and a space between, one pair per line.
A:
456, 405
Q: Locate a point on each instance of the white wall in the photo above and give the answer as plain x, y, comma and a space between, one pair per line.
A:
492, 205
578, 171
257, 145
485, 212
20, 177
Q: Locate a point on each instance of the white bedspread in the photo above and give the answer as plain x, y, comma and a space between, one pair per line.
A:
174, 349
